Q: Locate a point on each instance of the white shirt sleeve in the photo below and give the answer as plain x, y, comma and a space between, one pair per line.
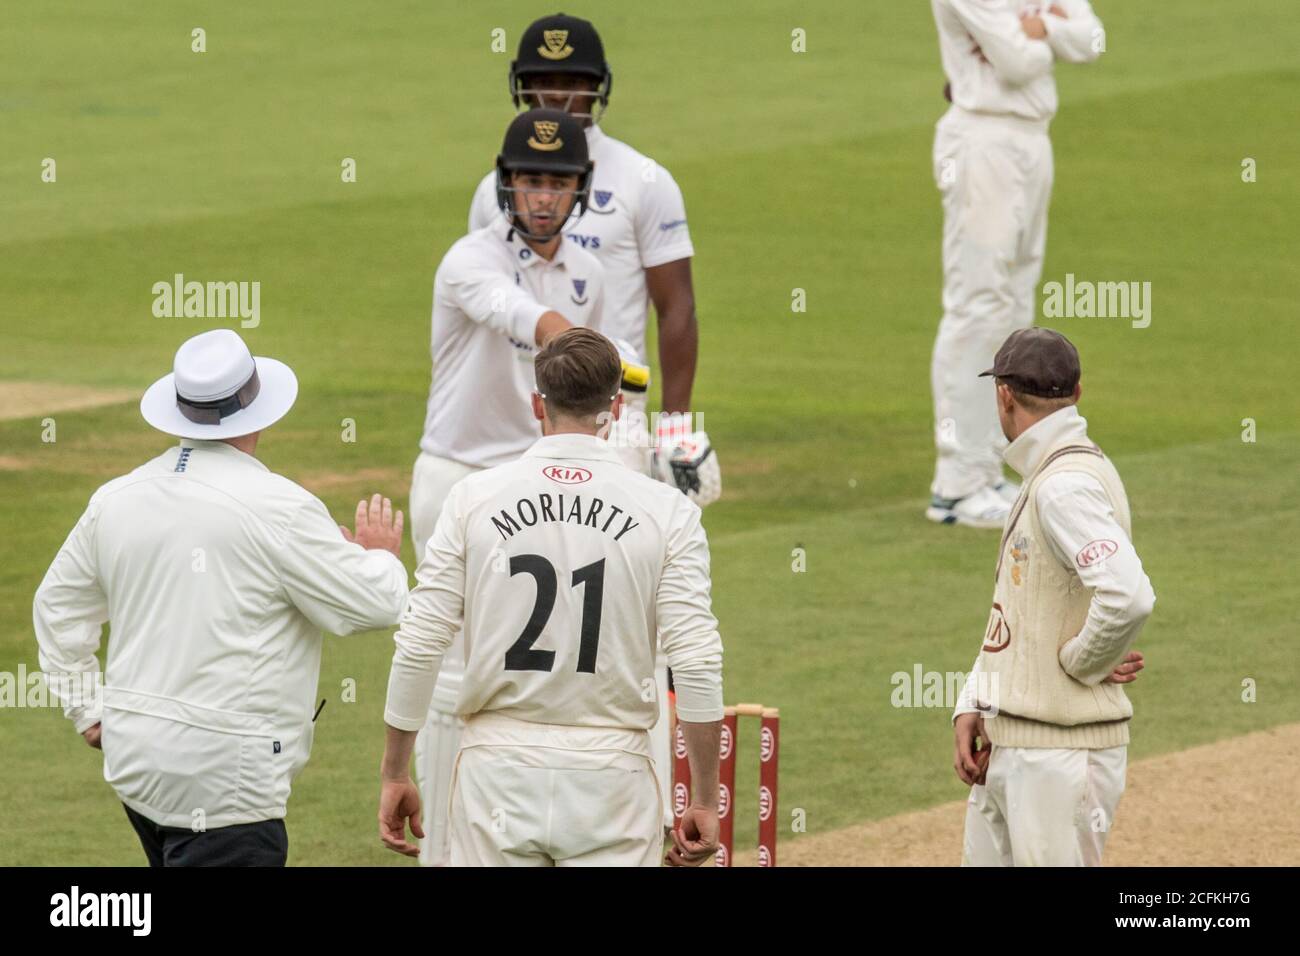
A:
662, 235
995, 27
435, 612
1075, 38
1081, 529
338, 585
69, 612
966, 700
488, 294
483, 207
688, 631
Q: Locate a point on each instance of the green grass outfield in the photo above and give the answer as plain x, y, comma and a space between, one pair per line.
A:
800, 171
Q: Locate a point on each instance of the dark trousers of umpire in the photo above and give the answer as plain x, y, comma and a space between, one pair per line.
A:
265, 843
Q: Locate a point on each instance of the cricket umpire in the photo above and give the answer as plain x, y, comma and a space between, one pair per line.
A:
1070, 599
218, 576
993, 166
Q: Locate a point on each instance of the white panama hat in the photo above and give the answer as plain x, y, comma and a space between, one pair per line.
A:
217, 389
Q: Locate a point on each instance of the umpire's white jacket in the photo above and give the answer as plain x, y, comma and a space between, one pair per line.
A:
218, 577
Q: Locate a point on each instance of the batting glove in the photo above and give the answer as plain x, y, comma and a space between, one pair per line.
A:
686, 460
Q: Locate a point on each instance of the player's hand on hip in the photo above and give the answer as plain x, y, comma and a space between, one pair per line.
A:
696, 839
971, 764
1127, 671
378, 529
94, 736
399, 803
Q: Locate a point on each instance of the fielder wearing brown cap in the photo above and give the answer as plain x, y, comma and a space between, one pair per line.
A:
1037, 361
1070, 599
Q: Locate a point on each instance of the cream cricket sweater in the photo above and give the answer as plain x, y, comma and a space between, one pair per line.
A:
1038, 605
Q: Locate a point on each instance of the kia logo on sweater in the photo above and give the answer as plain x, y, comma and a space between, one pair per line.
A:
1095, 552
566, 475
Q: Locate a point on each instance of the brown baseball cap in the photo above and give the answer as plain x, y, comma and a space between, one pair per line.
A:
1038, 361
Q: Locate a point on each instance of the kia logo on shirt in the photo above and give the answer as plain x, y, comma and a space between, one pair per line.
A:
566, 475
1095, 552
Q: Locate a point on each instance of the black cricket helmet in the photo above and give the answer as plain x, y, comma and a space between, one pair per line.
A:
543, 141
561, 44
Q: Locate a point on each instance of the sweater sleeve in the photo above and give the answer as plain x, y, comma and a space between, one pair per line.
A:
1083, 534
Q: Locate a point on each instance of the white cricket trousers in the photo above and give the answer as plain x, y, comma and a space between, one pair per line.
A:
994, 174
1044, 807
559, 804
439, 740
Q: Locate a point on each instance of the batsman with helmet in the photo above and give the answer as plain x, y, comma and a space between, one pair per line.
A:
499, 294
636, 226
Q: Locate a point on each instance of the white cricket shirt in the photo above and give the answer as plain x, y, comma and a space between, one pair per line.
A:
218, 576
563, 567
488, 293
635, 220
994, 67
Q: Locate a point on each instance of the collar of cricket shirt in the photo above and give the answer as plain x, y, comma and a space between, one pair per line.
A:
223, 448
573, 445
524, 255
1063, 426
594, 135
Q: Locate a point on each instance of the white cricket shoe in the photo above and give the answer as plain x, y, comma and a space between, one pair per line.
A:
983, 509
1008, 490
